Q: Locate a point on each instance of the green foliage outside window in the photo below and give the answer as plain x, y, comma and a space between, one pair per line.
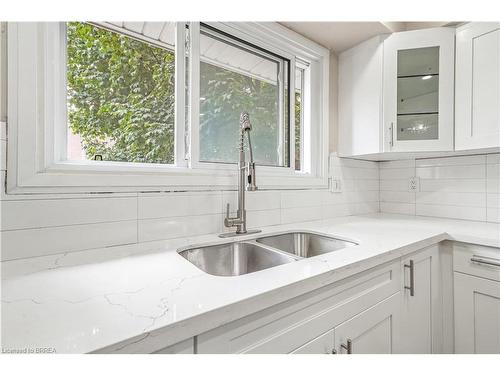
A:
120, 95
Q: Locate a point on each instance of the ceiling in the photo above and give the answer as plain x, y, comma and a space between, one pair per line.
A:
339, 36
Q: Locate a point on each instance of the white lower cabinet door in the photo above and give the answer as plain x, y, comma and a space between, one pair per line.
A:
421, 305
477, 315
320, 345
374, 331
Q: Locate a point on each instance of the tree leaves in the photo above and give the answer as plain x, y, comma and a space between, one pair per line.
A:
120, 95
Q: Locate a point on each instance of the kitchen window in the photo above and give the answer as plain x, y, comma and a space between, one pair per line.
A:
137, 106
235, 78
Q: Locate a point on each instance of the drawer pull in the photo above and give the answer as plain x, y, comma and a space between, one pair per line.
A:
411, 288
485, 260
347, 347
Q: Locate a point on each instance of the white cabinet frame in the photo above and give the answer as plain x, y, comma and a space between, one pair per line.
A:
444, 38
467, 84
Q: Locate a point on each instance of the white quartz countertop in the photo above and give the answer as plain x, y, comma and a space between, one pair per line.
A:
144, 301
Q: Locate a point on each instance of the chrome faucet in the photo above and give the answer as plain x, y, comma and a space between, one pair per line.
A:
246, 181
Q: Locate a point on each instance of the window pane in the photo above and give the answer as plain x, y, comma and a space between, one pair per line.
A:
120, 94
234, 79
299, 115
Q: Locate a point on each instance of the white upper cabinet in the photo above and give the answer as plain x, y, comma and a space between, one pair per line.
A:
418, 90
360, 98
396, 93
477, 101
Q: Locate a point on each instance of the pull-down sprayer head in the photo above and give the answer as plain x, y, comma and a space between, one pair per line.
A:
245, 121
246, 127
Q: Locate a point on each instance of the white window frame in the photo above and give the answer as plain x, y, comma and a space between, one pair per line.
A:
37, 109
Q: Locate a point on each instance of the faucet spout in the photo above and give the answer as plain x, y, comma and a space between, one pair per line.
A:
246, 181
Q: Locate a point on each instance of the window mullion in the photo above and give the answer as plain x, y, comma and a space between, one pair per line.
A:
194, 94
180, 96
291, 115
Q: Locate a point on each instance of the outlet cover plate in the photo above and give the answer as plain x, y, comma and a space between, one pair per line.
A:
413, 184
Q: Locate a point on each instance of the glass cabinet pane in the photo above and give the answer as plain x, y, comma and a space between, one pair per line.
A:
417, 127
418, 94
418, 61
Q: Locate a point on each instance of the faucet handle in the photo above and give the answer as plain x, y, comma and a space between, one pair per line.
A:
227, 211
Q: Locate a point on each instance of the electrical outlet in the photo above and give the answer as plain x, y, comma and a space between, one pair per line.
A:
413, 184
335, 185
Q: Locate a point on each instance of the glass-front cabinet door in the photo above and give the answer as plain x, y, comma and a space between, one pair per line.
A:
418, 90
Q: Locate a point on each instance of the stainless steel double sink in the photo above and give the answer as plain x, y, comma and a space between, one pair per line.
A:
239, 258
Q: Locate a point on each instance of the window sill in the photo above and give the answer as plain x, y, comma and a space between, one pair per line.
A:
107, 177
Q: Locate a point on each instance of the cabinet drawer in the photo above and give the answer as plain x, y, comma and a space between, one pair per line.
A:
481, 261
287, 326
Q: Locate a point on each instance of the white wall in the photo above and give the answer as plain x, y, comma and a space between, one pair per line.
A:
462, 187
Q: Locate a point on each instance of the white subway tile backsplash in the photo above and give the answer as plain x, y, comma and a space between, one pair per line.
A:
396, 173
457, 185
455, 160
394, 185
26, 243
360, 185
493, 200
452, 171
178, 204
493, 159
173, 227
25, 214
299, 214
301, 198
355, 173
397, 196
255, 200
259, 219
453, 212
452, 198
464, 187
331, 211
493, 215
398, 208
493, 171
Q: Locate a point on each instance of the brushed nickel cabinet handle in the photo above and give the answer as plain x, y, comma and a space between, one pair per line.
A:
411, 288
485, 260
391, 129
348, 347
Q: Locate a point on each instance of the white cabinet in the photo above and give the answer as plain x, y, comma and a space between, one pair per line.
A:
421, 318
418, 90
374, 331
477, 298
477, 113
304, 324
477, 315
360, 98
396, 93
320, 345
